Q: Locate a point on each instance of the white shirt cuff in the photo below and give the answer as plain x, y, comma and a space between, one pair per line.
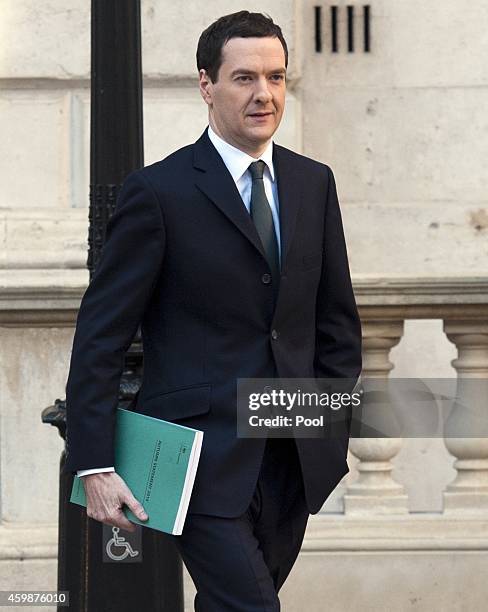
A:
94, 471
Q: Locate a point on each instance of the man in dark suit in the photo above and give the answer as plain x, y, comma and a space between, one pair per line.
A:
230, 253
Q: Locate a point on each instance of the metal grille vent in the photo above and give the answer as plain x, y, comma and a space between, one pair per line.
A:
355, 36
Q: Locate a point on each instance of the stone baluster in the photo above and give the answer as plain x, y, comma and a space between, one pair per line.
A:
468, 492
375, 491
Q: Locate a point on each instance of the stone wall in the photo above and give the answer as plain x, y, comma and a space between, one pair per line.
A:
404, 128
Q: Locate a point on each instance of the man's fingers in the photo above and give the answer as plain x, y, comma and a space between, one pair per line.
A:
136, 507
120, 520
114, 519
106, 494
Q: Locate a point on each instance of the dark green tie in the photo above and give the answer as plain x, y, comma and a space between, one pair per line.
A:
263, 220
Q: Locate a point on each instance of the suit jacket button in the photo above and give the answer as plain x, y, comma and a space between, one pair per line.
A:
274, 334
266, 278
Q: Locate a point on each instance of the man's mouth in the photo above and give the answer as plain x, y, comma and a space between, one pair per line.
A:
260, 114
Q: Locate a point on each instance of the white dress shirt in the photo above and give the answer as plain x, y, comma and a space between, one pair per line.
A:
237, 163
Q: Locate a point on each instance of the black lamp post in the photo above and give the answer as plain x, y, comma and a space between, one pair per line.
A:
151, 579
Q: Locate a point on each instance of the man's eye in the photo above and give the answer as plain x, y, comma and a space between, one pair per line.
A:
243, 78
278, 77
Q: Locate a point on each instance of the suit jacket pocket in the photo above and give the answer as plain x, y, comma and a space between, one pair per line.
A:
177, 404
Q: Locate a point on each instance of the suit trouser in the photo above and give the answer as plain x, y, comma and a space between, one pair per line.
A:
239, 564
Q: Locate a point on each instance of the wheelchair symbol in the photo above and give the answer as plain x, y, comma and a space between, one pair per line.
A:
119, 541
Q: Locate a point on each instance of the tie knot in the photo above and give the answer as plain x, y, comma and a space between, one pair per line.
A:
257, 169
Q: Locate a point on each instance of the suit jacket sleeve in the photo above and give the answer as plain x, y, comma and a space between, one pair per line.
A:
110, 312
338, 327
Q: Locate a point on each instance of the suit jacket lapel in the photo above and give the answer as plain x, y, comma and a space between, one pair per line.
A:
289, 195
216, 182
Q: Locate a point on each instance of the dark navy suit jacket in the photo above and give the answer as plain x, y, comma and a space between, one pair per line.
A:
183, 259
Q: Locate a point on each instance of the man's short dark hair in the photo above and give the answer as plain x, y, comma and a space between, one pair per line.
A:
236, 25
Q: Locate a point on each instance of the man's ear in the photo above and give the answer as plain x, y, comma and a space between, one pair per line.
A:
205, 86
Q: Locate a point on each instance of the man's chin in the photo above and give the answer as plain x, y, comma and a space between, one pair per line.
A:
261, 133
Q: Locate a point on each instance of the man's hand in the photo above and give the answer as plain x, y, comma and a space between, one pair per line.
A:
106, 493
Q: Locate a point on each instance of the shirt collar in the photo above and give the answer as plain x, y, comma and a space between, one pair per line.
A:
238, 161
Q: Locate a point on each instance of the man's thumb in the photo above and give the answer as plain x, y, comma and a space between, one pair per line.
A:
136, 508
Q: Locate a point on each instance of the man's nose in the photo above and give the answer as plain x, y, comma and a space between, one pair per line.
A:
262, 93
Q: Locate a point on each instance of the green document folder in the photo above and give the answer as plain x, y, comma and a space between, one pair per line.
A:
158, 461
